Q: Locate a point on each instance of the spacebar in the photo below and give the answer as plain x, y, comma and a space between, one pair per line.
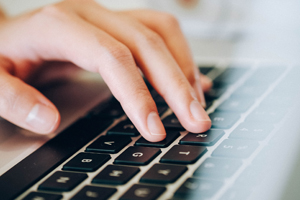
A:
34, 167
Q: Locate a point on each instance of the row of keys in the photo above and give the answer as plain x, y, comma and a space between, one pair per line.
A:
214, 166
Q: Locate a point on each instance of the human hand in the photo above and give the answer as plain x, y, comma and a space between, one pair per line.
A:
106, 42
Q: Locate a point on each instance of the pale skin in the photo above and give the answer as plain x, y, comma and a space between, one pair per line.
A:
117, 45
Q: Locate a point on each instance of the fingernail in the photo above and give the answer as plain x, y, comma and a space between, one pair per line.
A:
155, 125
198, 112
42, 118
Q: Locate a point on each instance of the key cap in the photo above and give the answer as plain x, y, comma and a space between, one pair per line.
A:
171, 136
94, 193
172, 123
252, 131
217, 168
159, 100
194, 188
207, 138
109, 144
277, 100
42, 196
62, 181
143, 192
209, 103
112, 109
205, 69
215, 92
237, 105
267, 114
230, 75
264, 75
223, 120
249, 91
86, 162
161, 109
163, 174
236, 193
183, 154
252, 176
116, 175
137, 156
124, 128
235, 148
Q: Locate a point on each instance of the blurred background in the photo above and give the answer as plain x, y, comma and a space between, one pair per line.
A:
251, 29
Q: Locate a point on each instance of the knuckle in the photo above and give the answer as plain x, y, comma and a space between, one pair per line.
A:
115, 55
140, 94
151, 39
170, 20
9, 98
55, 11
182, 82
120, 52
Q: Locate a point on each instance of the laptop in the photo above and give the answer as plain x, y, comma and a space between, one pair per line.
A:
251, 151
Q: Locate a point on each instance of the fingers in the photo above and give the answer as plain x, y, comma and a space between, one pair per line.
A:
206, 83
157, 64
96, 51
24, 106
110, 44
169, 29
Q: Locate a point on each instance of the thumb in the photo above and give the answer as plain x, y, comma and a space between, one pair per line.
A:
25, 106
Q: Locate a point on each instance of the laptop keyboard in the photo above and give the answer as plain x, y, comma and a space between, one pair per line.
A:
120, 164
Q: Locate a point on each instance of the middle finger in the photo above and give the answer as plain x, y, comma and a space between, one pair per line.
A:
155, 61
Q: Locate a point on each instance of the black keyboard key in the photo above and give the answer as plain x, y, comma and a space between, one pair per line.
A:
163, 174
236, 193
218, 168
237, 105
171, 136
215, 92
209, 103
252, 176
235, 148
252, 131
115, 175
223, 120
112, 109
86, 162
62, 181
42, 196
263, 76
171, 122
230, 76
246, 91
194, 188
109, 144
94, 193
207, 138
143, 192
124, 128
159, 100
161, 109
276, 100
205, 69
267, 114
137, 155
183, 154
